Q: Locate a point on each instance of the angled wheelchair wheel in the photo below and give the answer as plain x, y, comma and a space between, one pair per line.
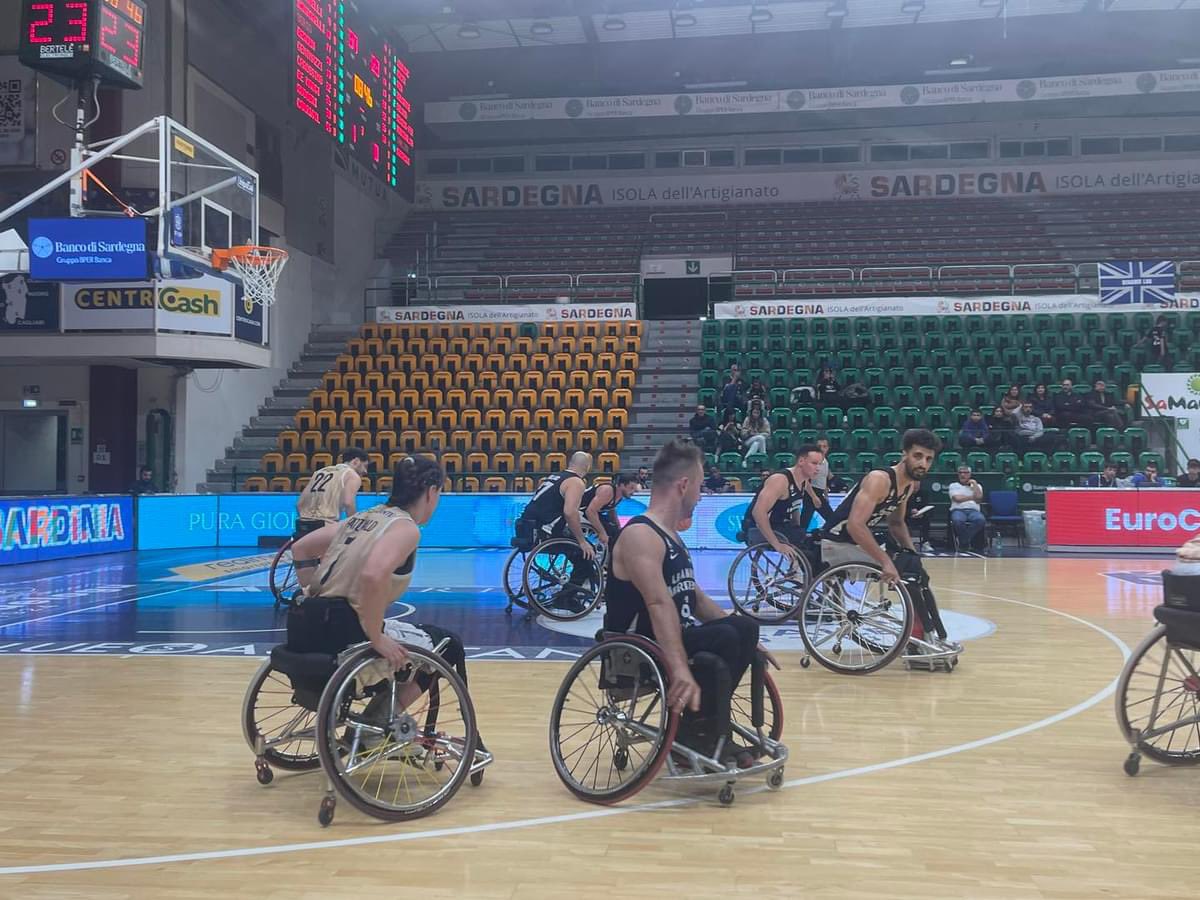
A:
1158, 700
853, 622
392, 761
514, 572
287, 730
767, 586
610, 728
282, 576
554, 584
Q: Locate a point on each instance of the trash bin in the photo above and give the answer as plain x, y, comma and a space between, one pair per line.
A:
1035, 527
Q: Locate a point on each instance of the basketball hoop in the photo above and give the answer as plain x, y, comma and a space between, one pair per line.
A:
259, 268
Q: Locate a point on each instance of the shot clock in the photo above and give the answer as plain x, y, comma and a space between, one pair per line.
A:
79, 39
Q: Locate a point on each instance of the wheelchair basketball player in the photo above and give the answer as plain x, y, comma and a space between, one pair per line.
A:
331, 491
780, 510
599, 505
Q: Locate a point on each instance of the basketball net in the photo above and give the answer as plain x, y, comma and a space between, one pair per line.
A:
258, 267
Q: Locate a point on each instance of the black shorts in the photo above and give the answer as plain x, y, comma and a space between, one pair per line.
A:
307, 526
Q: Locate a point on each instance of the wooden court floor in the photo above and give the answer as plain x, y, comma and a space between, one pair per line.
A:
130, 778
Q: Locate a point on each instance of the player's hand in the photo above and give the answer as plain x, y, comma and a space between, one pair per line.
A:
589, 552
789, 551
603, 538
769, 657
396, 655
890, 574
684, 692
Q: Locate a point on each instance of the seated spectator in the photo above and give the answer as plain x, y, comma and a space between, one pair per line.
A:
975, 434
828, 389
1147, 478
1191, 478
716, 483
1105, 479
966, 518
1123, 478
1043, 405
729, 435
1002, 428
755, 430
1099, 405
733, 394
145, 482
1158, 339
1011, 401
757, 390
1030, 433
643, 478
1068, 407
703, 429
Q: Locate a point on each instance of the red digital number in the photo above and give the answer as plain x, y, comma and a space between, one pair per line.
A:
133, 46
352, 40
108, 31
80, 23
46, 9
375, 66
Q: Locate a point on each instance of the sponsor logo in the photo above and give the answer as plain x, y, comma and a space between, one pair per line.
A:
43, 247
1116, 519
729, 522
468, 111
115, 298
958, 184
796, 100
190, 301
910, 95
31, 527
986, 306
683, 104
1146, 82
526, 196
1026, 89
845, 187
574, 108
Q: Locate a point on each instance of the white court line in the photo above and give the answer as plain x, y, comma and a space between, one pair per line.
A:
214, 631
512, 825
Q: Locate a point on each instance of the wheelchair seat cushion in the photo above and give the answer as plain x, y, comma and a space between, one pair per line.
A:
1183, 625
307, 672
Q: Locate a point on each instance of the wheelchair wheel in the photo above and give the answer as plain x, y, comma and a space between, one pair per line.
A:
282, 577
610, 728
514, 571
390, 761
765, 585
1158, 700
548, 583
853, 622
287, 730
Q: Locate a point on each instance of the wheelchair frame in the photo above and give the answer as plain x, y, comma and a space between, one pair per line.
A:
525, 599
764, 585
283, 584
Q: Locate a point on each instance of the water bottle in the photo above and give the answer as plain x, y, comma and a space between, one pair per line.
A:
998, 543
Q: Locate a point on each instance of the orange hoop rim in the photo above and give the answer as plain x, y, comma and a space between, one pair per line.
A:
250, 255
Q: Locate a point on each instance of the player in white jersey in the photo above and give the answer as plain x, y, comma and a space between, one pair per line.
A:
331, 491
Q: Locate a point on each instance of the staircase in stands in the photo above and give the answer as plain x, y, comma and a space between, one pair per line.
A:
278, 412
664, 396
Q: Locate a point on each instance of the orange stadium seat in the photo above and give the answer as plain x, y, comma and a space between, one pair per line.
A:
512, 441
543, 419
362, 400
479, 399
300, 482
456, 399
331, 381
568, 418
339, 400
618, 418
350, 420
496, 419
504, 462
344, 363
520, 419
372, 330
609, 462
540, 362
273, 462
311, 441
589, 345
398, 420
442, 380
613, 440
470, 485
527, 398
422, 419
461, 441
385, 441
452, 462
529, 463
394, 459
446, 419
544, 346
385, 366
593, 419
562, 361
622, 398
257, 484
606, 364
523, 345
375, 382
573, 398
473, 362
477, 462
326, 419
538, 440
459, 346
556, 462
373, 346
522, 484
597, 398
374, 420
364, 364
433, 399
296, 463
385, 400
487, 440
410, 441
289, 440
496, 362
435, 439
611, 344
626, 378
355, 346
375, 461
437, 346
503, 398
361, 439
585, 361
318, 399
408, 399
306, 420
628, 361
587, 441
471, 419
383, 484
562, 441
555, 380
535, 380
488, 381
420, 381
551, 399
335, 442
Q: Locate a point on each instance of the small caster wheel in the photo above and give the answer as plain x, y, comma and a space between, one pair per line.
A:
438, 766
805, 662
621, 760
726, 795
476, 778
263, 772
775, 780
837, 649
1133, 762
325, 813
508, 610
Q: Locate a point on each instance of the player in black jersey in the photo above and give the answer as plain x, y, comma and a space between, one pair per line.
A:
555, 511
652, 588
599, 505
780, 505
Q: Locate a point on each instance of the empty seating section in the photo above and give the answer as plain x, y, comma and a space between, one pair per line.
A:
962, 246
500, 404
930, 372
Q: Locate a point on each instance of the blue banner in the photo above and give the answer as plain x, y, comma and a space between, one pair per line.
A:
64, 527
88, 249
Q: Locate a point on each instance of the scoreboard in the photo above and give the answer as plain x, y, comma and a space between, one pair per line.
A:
77, 39
350, 81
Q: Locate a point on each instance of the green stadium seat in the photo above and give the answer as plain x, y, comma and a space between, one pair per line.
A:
909, 417
1012, 356
831, 417
937, 417
710, 361
1079, 439
1075, 373
1062, 461
1121, 458
988, 357
909, 325
807, 417
780, 417
928, 394
858, 417
776, 326
779, 397
707, 396
978, 395
710, 378
874, 377
886, 438
798, 326
782, 439
971, 375
779, 378
731, 344
865, 462
954, 395
959, 414
956, 342
883, 417
860, 439
1022, 375
1107, 439
839, 462
897, 376
891, 358
979, 461
1135, 440
756, 462
880, 395
733, 328
1006, 461
996, 377
1144, 459
711, 328
837, 439
730, 462
945, 375
948, 461
1035, 461
1074, 340
864, 326
783, 460
710, 343
710, 459
1091, 461
890, 459
1060, 356
923, 375
1044, 375
868, 359
756, 328
850, 375
904, 395
806, 436
945, 435
798, 343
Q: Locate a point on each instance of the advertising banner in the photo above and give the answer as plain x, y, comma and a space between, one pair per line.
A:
33, 530
999, 305
27, 305
18, 113
1121, 518
203, 305
1175, 395
727, 188
249, 320
797, 101
542, 312
88, 249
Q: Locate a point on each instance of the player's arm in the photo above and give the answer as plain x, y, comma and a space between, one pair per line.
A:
898, 527
772, 492
572, 493
871, 492
307, 553
374, 586
350, 493
604, 495
640, 553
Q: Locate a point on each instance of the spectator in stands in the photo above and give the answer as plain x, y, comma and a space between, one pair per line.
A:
1190, 478
1068, 406
1029, 433
643, 478
716, 483
764, 475
733, 394
1106, 478
1011, 401
1002, 428
1148, 477
757, 390
1158, 338
975, 433
1043, 405
828, 389
1123, 478
145, 481
1099, 405
703, 429
966, 518
729, 435
755, 430
803, 395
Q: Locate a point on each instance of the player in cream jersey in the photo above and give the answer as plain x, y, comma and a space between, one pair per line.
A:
330, 492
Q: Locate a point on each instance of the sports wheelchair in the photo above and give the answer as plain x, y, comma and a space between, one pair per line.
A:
538, 575
1158, 693
767, 586
282, 577
854, 623
611, 731
305, 711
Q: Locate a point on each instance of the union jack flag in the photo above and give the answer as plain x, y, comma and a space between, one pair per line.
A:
1137, 282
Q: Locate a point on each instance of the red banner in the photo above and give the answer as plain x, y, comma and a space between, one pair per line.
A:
1122, 517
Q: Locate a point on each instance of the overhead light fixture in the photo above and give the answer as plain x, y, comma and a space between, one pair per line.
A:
612, 23
685, 20
837, 10
959, 61
715, 85
912, 7
760, 16
969, 70
29, 403
469, 31
991, 4
1189, 61
541, 29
